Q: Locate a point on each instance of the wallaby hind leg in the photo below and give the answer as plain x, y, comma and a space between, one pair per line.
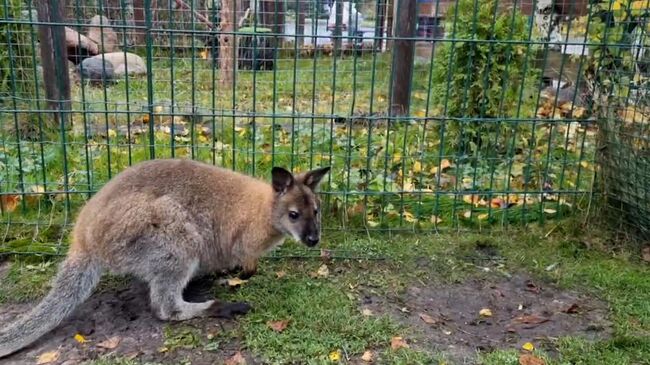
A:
166, 291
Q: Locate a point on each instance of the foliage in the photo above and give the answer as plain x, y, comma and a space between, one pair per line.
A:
485, 71
16, 63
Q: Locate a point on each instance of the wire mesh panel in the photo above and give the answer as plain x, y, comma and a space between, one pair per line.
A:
443, 114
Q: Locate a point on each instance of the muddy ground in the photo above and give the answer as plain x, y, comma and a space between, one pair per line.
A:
443, 318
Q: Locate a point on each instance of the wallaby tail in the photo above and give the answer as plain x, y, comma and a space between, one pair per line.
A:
75, 281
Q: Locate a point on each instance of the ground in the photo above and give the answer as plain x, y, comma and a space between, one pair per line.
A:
405, 299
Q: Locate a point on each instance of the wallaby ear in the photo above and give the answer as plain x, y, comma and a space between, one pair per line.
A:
313, 178
282, 179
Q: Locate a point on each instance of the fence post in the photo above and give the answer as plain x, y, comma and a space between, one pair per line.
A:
228, 45
54, 58
403, 56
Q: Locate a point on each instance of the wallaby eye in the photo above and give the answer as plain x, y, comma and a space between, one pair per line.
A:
293, 215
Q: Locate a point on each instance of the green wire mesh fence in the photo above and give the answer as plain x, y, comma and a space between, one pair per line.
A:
435, 115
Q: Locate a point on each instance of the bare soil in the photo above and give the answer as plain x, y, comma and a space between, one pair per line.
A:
125, 312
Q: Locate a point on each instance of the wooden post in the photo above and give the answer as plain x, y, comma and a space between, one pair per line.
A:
379, 26
338, 27
390, 13
54, 58
403, 56
227, 43
302, 7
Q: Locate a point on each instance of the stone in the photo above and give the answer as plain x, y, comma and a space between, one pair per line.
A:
123, 61
96, 70
99, 31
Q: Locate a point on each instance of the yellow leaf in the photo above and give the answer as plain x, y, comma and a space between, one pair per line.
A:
111, 133
335, 355
550, 211
435, 219
47, 357
528, 346
485, 312
483, 216
372, 223
467, 214
280, 274
397, 158
236, 281
366, 312
417, 167
367, 356
409, 217
79, 338
421, 113
584, 164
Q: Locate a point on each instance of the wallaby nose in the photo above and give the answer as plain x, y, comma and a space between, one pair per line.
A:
312, 240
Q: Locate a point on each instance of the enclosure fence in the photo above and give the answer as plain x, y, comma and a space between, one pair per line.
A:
434, 114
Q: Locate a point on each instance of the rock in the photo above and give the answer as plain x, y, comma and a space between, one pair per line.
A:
104, 36
96, 70
121, 61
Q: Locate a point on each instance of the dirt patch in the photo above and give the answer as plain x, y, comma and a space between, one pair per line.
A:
124, 311
447, 319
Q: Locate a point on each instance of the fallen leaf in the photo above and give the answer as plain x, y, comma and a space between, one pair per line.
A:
236, 359
445, 164
236, 281
531, 319
111, 343
528, 346
528, 359
483, 216
323, 271
471, 199
80, 338
467, 214
366, 312
427, 319
278, 326
397, 343
280, 274
573, 308
485, 312
367, 356
9, 202
335, 355
47, 357
531, 287
550, 211
435, 219
417, 167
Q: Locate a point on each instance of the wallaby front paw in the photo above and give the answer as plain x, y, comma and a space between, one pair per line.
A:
247, 274
228, 310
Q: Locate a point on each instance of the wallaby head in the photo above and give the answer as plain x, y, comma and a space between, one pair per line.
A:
296, 208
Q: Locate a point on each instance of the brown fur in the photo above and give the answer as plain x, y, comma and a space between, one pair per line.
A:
167, 221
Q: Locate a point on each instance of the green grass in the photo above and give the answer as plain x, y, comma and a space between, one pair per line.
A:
324, 316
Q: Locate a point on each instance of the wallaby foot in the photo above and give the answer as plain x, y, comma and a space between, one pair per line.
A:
199, 289
227, 310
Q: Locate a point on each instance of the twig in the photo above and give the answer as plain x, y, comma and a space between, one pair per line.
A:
181, 4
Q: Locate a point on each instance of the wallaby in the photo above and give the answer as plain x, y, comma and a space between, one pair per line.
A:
169, 220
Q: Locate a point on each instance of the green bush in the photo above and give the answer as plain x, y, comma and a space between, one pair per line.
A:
487, 71
16, 53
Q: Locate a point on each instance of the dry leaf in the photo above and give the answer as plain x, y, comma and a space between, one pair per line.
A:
335, 355
9, 202
528, 359
278, 326
111, 343
528, 346
471, 199
435, 219
485, 312
236, 282
323, 271
397, 343
80, 338
427, 319
280, 274
47, 357
573, 308
467, 214
367, 312
531, 319
367, 356
236, 359
550, 211
483, 216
